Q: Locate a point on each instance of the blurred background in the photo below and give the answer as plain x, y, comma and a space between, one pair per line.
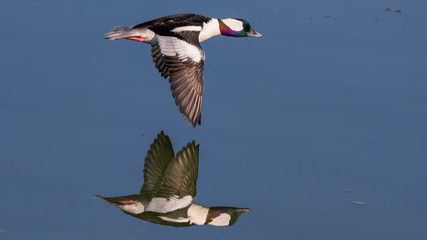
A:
319, 126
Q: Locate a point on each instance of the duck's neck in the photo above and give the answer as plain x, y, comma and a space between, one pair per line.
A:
209, 30
197, 214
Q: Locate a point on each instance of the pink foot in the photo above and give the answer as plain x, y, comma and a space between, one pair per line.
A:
136, 38
128, 201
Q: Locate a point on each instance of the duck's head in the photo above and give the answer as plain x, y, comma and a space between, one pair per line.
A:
236, 27
224, 216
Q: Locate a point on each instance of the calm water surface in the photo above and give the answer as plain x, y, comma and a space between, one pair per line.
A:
333, 97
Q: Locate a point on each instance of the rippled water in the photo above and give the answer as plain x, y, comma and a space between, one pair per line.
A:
332, 98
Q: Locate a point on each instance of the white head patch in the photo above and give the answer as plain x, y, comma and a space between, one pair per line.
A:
234, 24
222, 220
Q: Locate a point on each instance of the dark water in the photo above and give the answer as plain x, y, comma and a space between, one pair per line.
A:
333, 97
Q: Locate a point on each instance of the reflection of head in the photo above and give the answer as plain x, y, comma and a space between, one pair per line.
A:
224, 216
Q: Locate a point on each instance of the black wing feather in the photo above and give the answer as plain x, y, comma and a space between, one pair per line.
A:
181, 175
159, 61
186, 79
159, 156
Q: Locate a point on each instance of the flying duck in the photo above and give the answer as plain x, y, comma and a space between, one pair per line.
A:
168, 194
177, 54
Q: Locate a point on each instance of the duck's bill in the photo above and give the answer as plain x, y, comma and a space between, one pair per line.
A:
243, 210
252, 33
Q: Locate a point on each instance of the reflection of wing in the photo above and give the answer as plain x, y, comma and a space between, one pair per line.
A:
181, 175
179, 183
183, 61
158, 158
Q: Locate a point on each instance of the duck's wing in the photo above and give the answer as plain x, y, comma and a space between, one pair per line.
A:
159, 61
159, 156
179, 182
183, 62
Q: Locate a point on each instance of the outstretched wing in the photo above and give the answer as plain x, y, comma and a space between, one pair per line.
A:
179, 183
183, 62
159, 156
159, 61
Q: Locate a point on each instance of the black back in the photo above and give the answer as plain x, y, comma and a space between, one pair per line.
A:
163, 25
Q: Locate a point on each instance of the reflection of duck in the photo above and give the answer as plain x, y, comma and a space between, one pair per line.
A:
176, 51
169, 190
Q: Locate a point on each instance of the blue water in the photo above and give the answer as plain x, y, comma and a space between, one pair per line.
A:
333, 97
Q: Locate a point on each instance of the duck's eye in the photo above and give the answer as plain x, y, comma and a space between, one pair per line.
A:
246, 27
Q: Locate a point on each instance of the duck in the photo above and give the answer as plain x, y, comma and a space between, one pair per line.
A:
177, 53
168, 194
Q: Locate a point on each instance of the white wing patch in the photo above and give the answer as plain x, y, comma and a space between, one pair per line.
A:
135, 208
178, 220
187, 28
197, 214
172, 46
222, 220
162, 205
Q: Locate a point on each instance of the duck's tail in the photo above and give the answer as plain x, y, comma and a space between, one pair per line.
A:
117, 33
122, 200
